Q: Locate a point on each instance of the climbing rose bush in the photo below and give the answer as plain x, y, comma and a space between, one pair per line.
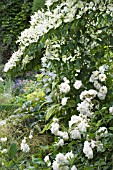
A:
76, 40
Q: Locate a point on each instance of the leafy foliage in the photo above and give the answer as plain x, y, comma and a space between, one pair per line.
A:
75, 48
37, 5
14, 19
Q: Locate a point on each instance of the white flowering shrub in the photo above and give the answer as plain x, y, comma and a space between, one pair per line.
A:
74, 41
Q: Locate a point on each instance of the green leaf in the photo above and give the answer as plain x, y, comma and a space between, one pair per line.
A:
71, 103
111, 128
88, 168
46, 127
51, 111
37, 161
12, 150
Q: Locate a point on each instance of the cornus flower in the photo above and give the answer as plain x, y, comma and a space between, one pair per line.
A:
77, 85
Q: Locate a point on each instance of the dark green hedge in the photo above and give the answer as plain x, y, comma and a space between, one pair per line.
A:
14, 18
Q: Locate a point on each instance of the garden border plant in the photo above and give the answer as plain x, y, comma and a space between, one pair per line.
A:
73, 39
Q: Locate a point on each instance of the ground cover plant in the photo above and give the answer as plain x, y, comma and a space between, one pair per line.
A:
73, 108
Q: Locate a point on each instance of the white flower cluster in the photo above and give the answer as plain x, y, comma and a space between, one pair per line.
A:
77, 125
64, 87
55, 130
43, 21
97, 78
50, 2
86, 106
24, 146
62, 161
90, 145
13, 60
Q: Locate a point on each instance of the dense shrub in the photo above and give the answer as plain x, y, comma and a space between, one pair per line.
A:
74, 41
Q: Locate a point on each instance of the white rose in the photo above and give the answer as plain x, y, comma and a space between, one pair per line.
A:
54, 128
55, 165
92, 93
64, 87
101, 96
60, 158
83, 126
75, 134
103, 89
77, 85
102, 77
